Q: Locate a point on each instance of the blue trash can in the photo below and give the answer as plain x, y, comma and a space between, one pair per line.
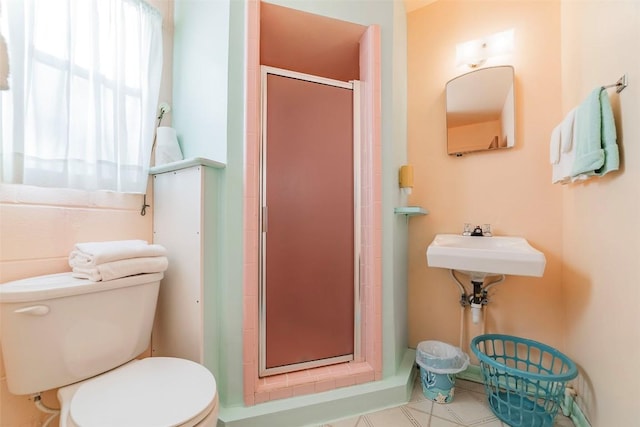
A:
439, 362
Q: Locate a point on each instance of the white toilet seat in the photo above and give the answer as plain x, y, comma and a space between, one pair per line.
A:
152, 392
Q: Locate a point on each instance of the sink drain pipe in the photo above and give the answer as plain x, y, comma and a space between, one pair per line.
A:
479, 298
476, 300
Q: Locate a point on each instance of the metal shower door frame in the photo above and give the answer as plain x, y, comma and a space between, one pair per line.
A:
262, 220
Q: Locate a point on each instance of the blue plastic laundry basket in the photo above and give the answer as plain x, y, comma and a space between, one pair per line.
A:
524, 379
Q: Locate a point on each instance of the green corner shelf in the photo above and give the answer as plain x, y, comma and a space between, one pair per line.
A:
410, 211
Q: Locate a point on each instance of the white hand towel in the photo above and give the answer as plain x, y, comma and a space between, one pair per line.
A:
122, 268
91, 254
562, 170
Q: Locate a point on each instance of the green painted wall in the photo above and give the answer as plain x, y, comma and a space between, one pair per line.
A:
200, 74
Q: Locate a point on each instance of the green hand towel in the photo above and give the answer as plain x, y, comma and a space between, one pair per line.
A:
589, 152
608, 137
596, 147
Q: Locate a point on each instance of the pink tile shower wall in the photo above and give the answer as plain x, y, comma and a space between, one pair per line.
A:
257, 390
371, 202
252, 201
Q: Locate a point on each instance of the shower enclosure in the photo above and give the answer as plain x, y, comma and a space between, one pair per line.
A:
309, 222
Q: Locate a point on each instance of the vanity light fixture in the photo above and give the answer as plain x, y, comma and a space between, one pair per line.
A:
474, 53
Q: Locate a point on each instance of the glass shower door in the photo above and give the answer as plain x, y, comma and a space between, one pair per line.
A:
308, 273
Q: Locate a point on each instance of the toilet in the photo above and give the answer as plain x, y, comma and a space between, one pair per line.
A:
83, 338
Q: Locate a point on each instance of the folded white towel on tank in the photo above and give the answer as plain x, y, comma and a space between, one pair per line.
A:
91, 254
121, 268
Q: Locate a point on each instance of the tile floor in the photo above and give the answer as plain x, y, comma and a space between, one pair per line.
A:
469, 408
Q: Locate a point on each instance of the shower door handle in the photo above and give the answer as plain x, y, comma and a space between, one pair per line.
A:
265, 220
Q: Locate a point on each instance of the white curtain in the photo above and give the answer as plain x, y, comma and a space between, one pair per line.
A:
84, 81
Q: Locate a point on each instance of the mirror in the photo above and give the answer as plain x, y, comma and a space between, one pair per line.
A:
481, 110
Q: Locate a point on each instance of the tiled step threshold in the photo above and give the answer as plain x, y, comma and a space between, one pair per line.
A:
317, 408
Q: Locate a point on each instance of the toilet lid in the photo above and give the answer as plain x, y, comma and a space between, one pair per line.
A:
152, 392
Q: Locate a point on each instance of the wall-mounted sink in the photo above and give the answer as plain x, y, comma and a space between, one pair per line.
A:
483, 256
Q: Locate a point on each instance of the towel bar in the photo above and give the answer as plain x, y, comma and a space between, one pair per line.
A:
619, 85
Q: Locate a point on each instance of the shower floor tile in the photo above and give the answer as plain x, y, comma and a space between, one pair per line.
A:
469, 408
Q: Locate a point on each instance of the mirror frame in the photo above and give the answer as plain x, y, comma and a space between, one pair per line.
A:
486, 120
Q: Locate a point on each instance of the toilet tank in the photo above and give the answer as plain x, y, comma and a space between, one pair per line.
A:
58, 330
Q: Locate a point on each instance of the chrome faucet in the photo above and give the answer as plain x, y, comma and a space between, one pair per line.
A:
477, 231
485, 230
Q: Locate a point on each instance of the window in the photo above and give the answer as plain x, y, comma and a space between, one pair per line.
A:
83, 91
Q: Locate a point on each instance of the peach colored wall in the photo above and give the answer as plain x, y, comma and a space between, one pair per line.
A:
600, 224
39, 226
510, 189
